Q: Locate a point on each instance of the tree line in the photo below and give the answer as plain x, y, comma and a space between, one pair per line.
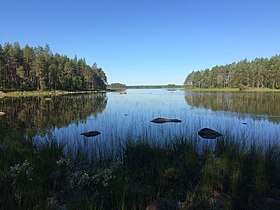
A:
37, 68
116, 86
258, 73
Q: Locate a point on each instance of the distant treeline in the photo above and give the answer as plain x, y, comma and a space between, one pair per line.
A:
154, 86
37, 68
259, 73
116, 86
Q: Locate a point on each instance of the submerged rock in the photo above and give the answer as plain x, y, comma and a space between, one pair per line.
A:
208, 133
165, 120
91, 133
2, 113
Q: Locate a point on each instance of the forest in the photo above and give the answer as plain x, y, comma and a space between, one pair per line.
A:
37, 68
258, 73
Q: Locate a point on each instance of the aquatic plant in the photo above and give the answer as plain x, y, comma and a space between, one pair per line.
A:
223, 175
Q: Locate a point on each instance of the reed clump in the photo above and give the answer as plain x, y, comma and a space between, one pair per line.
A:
177, 176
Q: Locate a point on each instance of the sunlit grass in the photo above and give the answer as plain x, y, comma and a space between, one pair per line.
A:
44, 93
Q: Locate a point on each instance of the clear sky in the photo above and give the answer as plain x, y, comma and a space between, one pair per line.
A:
146, 41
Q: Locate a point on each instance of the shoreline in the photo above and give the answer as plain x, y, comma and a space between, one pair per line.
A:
65, 92
231, 90
46, 93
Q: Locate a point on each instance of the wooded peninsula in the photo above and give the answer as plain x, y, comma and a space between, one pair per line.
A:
37, 68
259, 73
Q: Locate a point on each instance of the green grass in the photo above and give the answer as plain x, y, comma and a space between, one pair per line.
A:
227, 176
29, 93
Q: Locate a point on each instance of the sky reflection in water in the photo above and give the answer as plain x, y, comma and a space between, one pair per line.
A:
123, 117
127, 117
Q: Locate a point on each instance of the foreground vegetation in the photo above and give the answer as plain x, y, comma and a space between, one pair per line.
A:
228, 176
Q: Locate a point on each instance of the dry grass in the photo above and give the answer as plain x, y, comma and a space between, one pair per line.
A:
2, 94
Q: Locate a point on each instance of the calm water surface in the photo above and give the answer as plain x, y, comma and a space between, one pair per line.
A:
247, 117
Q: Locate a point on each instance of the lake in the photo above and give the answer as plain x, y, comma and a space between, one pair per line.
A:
250, 117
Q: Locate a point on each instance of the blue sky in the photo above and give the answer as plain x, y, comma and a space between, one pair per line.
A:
146, 41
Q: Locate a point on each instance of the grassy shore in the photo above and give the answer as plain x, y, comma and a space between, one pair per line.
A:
178, 176
43, 93
62, 92
232, 89
214, 89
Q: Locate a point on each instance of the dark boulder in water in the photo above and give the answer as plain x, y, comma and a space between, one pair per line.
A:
208, 133
165, 120
91, 133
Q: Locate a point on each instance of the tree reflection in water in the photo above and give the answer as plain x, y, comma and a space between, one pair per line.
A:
35, 115
253, 103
